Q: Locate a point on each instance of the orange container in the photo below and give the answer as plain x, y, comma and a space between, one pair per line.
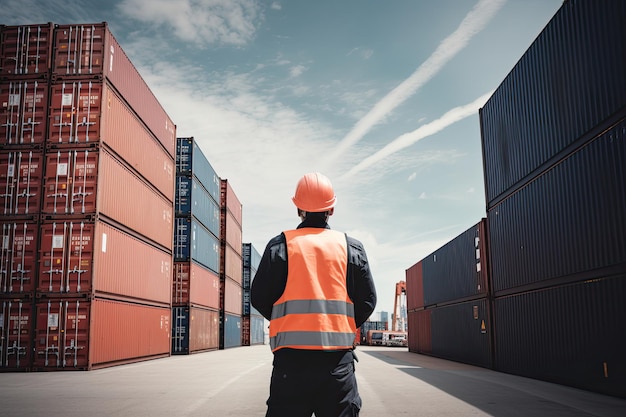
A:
82, 182
83, 334
97, 258
233, 297
196, 285
233, 264
414, 287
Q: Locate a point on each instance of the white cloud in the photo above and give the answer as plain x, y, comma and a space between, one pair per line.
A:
296, 71
473, 23
200, 21
412, 176
276, 6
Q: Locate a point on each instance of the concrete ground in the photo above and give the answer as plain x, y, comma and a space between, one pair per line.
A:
235, 382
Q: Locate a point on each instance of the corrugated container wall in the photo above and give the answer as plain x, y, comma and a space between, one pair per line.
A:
457, 270
90, 51
420, 331
18, 258
192, 199
23, 112
194, 284
568, 223
569, 81
414, 287
232, 330
570, 334
192, 241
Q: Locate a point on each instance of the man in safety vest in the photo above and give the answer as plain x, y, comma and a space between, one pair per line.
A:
315, 286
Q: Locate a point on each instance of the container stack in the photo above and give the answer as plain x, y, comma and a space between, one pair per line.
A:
447, 300
102, 155
24, 89
554, 154
253, 323
196, 281
231, 269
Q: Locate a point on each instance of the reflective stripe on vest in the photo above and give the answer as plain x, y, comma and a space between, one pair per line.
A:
314, 312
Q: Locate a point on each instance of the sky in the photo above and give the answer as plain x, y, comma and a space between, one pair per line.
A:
381, 97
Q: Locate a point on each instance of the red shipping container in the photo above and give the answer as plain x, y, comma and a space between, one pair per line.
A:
90, 51
26, 50
91, 112
21, 175
81, 334
233, 264
18, 257
195, 330
233, 233
420, 332
79, 258
231, 202
414, 287
23, 112
84, 182
15, 330
194, 284
233, 297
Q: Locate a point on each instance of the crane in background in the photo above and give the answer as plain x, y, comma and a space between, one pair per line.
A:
399, 319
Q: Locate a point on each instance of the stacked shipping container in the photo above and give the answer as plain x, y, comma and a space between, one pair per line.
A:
253, 323
196, 282
231, 269
88, 158
553, 137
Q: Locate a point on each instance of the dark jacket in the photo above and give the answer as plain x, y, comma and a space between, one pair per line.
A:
271, 277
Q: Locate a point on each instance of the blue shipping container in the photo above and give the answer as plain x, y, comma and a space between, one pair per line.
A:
232, 330
190, 160
193, 241
193, 199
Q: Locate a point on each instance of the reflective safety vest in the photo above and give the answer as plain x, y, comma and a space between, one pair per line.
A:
315, 311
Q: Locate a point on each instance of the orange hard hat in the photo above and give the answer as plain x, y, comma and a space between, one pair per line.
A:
314, 193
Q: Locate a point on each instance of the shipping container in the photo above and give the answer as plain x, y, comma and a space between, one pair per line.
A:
414, 287
80, 182
372, 325
26, 50
567, 222
192, 241
81, 334
233, 205
87, 112
191, 161
232, 330
570, 334
194, 330
461, 332
91, 52
232, 232
21, 179
420, 333
570, 80
457, 270
79, 258
192, 199
16, 326
233, 297
257, 330
23, 112
18, 258
233, 264
194, 284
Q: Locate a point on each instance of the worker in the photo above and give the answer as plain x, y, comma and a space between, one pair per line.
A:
315, 287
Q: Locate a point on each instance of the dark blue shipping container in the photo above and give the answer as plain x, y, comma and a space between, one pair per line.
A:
192, 199
190, 160
567, 222
193, 241
232, 330
570, 334
458, 269
570, 80
461, 332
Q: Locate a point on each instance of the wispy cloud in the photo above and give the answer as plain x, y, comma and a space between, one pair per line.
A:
204, 22
403, 141
472, 24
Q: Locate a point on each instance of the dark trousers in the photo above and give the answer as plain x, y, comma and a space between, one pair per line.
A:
297, 391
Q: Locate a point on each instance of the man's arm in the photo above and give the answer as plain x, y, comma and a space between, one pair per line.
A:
361, 288
270, 279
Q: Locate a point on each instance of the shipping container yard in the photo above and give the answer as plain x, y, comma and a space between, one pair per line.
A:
121, 245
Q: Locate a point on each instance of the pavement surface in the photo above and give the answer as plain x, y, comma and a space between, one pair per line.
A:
235, 382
